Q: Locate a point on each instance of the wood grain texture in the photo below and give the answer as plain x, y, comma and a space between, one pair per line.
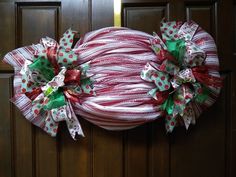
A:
204, 145
233, 155
6, 143
107, 153
75, 157
136, 152
158, 152
146, 148
46, 159
234, 72
76, 15
206, 150
134, 15
234, 26
7, 31
228, 137
102, 13
205, 15
35, 20
203, 148
225, 38
177, 9
23, 146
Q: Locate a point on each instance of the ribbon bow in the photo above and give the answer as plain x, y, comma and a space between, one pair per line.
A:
52, 80
180, 76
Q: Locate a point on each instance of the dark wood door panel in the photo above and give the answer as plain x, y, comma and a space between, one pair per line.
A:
232, 140
134, 15
205, 15
204, 144
208, 149
6, 129
233, 155
45, 154
75, 156
108, 152
7, 31
203, 147
35, 20
23, 146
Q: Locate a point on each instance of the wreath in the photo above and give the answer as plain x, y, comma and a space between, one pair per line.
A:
117, 78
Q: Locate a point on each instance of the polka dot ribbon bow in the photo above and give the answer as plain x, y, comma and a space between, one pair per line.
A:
52, 80
180, 75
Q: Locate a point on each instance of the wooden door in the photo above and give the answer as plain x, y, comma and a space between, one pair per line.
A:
206, 150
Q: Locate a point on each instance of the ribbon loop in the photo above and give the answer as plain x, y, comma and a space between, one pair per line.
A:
181, 64
176, 48
169, 30
187, 30
51, 81
184, 76
160, 79
67, 40
48, 43
66, 113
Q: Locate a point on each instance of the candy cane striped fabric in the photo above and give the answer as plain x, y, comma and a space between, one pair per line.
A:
17, 59
116, 57
207, 44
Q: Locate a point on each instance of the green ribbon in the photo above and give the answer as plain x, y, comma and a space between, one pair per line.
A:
177, 48
48, 92
56, 100
202, 97
168, 105
184, 54
45, 71
44, 67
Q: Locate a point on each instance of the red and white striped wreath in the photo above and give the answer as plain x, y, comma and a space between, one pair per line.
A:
117, 78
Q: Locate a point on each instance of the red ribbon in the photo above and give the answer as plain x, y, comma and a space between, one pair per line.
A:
165, 55
201, 73
72, 77
34, 93
72, 96
52, 58
161, 97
